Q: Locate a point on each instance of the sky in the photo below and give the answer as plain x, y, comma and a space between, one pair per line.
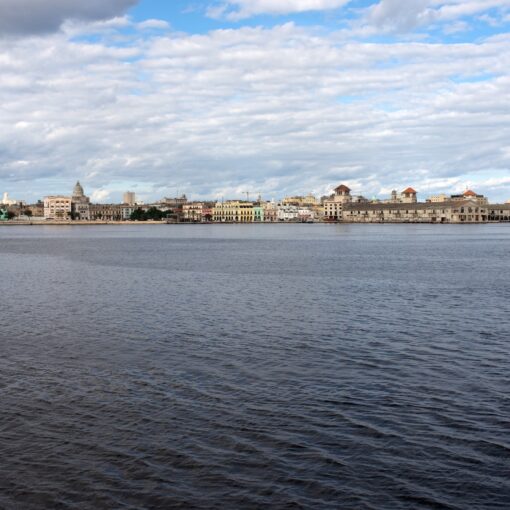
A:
215, 98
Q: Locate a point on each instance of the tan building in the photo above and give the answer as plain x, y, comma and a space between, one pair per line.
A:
470, 195
499, 212
57, 207
467, 211
308, 201
437, 199
172, 203
270, 212
197, 211
36, 209
333, 206
192, 211
129, 198
408, 196
107, 212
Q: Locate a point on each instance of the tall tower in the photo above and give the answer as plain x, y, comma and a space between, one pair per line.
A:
129, 198
342, 194
409, 196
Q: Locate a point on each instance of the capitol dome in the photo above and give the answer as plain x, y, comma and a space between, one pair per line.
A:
78, 190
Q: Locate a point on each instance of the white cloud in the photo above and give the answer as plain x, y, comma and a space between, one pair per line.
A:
395, 15
21, 17
235, 10
157, 24
100, 195
281, 110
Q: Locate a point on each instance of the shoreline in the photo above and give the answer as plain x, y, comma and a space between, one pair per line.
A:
161, 223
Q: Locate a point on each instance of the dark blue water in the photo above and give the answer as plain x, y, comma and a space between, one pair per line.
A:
225, 367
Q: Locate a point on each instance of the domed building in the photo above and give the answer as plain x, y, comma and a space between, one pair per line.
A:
80, 203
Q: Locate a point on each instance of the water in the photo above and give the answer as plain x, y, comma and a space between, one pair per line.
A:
298, 366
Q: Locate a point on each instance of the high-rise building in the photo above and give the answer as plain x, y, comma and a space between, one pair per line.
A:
129, 198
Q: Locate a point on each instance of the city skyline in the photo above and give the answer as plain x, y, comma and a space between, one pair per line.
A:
277, 97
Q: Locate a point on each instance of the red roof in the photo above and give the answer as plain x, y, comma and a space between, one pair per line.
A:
470, 193
342, 189
409, 191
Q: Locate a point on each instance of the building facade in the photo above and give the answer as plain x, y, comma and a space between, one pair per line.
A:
233, 211
107, 212
129, 198
198, 212
80, 203
334, 205
58, 207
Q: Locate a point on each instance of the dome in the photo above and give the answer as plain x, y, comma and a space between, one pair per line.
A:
342, 189
470, 193
78, 190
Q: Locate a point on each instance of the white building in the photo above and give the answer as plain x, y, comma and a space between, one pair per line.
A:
57, 207
8, 201
287, 212
127, 211
60, 207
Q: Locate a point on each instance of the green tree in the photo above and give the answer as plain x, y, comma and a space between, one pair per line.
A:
138, 215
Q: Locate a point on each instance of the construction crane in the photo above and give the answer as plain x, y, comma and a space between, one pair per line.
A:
248, 193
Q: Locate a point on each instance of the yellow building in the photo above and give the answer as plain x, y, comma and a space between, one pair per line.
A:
437, 199
233, 211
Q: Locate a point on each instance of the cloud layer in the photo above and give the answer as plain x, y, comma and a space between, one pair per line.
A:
279, 110
236, 10
21, 17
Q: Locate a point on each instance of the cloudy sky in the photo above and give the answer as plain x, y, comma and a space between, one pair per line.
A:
217, 97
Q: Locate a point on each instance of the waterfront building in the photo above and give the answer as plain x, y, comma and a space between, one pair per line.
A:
107, 212
409, 196
9, 201
192, 211
208, 212
470, 195
333, 206
499, 212
467, 211
307, 201
466, 208
172, 203
129, 198
57, 207
126, 211
270, 211
233, 211
437, 199
258, 212
288, 212
36, 209
80, 203
307, 215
